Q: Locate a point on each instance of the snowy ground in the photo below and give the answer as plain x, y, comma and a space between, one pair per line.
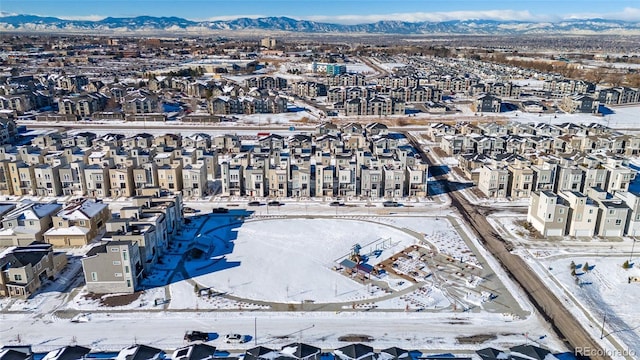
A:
603, 292
291, 264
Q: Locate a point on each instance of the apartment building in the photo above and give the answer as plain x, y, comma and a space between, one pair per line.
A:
113, 267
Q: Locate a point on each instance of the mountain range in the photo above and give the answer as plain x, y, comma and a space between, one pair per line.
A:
147, 24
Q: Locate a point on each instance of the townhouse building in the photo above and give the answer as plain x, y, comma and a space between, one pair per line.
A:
113, 267
27, 223
632, 200
23, 269
78, 223
582, 214
493, 180
547, 213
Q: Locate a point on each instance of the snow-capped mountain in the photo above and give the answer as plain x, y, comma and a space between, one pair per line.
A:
175, 24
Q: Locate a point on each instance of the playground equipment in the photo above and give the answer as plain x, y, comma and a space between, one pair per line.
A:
355, 254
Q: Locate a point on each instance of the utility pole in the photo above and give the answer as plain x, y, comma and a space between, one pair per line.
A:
255, 331
604, 317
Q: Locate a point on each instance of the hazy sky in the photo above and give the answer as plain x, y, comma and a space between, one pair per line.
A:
337, 11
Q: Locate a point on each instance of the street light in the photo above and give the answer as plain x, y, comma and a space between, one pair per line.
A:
632, 247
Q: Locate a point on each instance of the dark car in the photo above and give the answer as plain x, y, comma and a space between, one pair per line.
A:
390, 204
220, 210
188, 210
196, 336
254, 203
335, 203
274, 203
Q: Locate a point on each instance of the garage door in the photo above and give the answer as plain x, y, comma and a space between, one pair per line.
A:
583, 233
554, 232
612, 232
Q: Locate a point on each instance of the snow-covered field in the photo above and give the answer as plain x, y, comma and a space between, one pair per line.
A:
605, 292
291, 260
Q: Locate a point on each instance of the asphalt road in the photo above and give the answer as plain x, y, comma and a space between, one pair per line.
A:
549, 305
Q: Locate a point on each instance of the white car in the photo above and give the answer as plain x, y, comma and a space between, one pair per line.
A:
235, 338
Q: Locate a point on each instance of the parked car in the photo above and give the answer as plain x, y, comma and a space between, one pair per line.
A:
188, 210
220, 210
274, 203
390, 204
335, 203
235, 338
254, 203
196, 336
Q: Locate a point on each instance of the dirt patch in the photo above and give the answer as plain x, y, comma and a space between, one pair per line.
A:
476, 339
114, 300
356, 338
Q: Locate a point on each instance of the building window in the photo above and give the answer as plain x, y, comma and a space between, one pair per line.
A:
94, 276
618, 221
17, 277
124, 255
115, 249
128, 283
117, 274
126, 269
116, 262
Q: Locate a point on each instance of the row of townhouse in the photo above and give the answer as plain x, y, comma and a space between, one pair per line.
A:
563, 87
515, 137
112, 166
406, 94
24, 101
266, 82
224, 105
328, 164
82, 105
618, 95
346, 80
593, 212
378, 105
133, 243
518, 176
77, 223
507, 89
309, 89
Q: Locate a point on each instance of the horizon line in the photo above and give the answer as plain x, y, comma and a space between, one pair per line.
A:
629, 15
